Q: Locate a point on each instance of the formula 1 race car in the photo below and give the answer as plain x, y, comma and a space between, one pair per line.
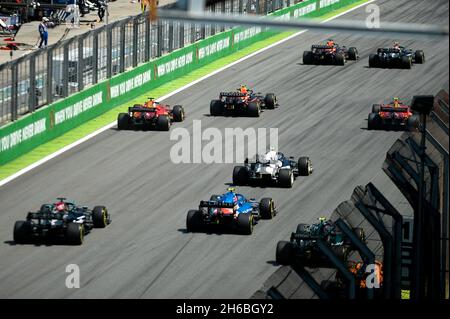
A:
151, 115
330, 53
396, 57
302, 246
62, 219
395, 116
272, 166
244, 102
230, 210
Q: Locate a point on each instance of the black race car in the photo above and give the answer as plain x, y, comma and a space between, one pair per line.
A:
396, 57
330, 53
302, 247
245, 103
62, 219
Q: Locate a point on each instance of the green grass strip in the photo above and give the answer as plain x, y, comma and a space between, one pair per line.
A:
87, 128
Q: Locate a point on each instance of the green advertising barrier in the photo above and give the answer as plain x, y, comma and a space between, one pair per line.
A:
34, 129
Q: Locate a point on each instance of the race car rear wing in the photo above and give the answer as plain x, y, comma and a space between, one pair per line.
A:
45, 215
232, 94
393, 109
215, 204
141, 109
321, 46
388, 50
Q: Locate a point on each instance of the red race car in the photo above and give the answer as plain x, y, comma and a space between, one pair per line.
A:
395, 115
150, 115
244, 102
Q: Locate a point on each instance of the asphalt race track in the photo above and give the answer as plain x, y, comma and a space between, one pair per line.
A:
145, 252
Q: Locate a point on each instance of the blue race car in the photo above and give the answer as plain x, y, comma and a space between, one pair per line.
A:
230, 210
396, 57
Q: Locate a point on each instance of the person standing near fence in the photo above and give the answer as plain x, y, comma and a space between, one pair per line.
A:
74, 10
101, 8
43, 32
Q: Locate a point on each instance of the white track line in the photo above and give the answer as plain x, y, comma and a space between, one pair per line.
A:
110, 125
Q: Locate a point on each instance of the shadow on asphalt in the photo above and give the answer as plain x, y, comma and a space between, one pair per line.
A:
272, 262
39, 242
213, 230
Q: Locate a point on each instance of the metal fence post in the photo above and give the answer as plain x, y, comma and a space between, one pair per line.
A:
32, 98
80, 64
160, 40
108, 51
49, 82
148, 43
122, 48
222, 28
65, 84
171, 38
135, 42
213, 26
95, 58
193, 33
181, 29
202, 31
241, 6
14, 101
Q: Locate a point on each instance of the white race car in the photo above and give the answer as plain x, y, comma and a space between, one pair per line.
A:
272, 166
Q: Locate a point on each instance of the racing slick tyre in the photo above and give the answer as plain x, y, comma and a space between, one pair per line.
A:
308, 58
21, 231
178, 113
163, 123
412, 123
285, 253
353, 54
100, 217
406, 62
245, 224
374, 61
302, 229
216, 108
123, 121
419, 57
267, 208
240, 176
373, 122
332, 288
304, 166
341, 252
286, 178
270, 101
376, 108
359, 232
194, 221
214, 198
254, 109
340, 59
75, 234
